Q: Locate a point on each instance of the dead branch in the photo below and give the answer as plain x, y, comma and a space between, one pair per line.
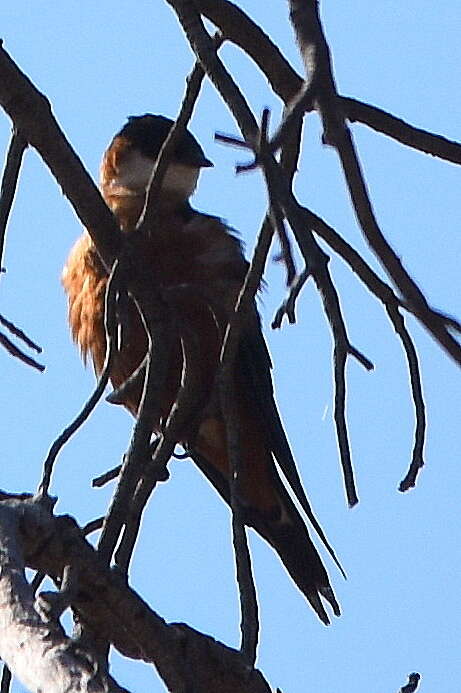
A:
155, 318
182, 412
106, 604
193, 86
19, 354
249, 625
316, 55
239, 28
16, 351
14, 329
396, 128
31, 114
288, 306
10, 178
383, 292
47, 659
317, 259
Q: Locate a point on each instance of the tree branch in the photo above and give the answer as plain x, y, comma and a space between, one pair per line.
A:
31, 114
10, 178
47, 660
109, 607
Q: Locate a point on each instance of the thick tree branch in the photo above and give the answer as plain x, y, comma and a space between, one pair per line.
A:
47, 660
31, 114
108, 606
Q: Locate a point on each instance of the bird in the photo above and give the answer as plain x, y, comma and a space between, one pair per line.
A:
198, 259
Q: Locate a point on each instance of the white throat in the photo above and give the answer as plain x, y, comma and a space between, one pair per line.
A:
136, 169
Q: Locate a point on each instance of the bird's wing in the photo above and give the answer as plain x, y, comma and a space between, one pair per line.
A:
265, 502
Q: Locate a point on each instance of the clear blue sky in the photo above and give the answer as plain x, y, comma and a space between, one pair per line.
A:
99, 63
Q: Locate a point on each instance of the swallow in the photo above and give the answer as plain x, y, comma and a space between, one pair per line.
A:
199, 260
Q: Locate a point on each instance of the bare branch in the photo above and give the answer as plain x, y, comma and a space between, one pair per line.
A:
10, 178
108, 606
286, 83
155, 319
47, 659
17, 353
194, 83
399, 130
316, 55
249, 625
205, 51
417, 461
20, 334
317, 262
182, 412
288, 306
31, 114
104, 479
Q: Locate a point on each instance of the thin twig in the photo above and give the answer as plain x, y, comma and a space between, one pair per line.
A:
110, 322
206, 53
249, 625
401, 131
235, 100
289, 304
390, 301
16, 150
417, 460
20, 334
193, 87
19, 354
92, 526
286, 254
318, 264
152, 381
316, 55
103, 479
182, 413
249, 621
158, 330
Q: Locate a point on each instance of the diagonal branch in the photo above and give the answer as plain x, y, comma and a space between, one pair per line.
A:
20, 334
316, 55
194, 83
155, 318
239, 28
392, 126
9, 183
19, 354
31, 114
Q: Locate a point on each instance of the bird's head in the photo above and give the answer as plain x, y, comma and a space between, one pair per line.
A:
129, 160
